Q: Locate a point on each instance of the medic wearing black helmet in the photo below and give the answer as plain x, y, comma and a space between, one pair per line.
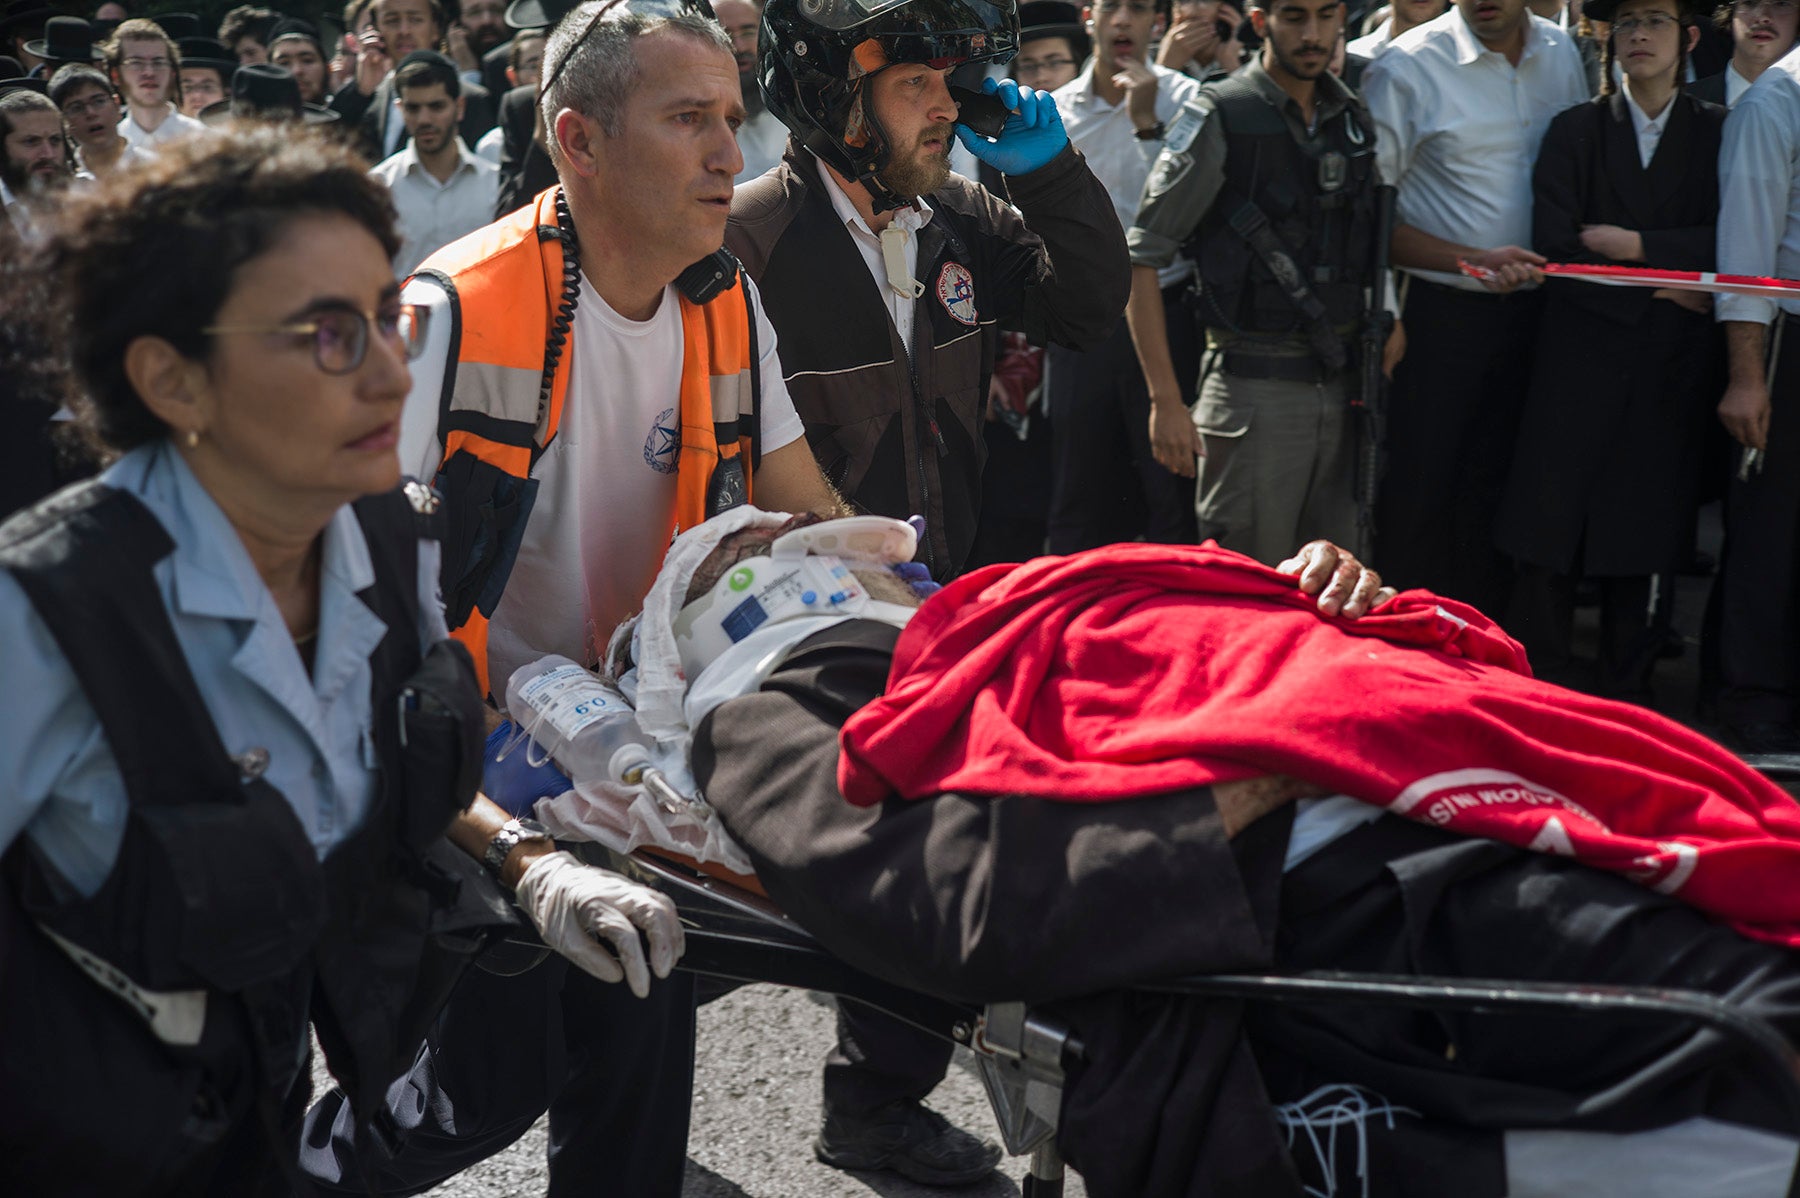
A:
888, 278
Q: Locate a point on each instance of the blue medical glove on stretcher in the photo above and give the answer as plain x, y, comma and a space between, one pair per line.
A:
1033, 134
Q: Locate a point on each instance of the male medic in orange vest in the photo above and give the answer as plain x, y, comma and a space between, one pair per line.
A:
597, 377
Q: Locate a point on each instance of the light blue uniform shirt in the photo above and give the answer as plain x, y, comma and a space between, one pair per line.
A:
1759, 190
59, 784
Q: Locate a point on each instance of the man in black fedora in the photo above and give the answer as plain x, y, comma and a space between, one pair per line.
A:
66, 40
264, 91
206, 67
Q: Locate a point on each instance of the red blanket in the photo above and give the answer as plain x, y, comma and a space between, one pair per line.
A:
1142, 669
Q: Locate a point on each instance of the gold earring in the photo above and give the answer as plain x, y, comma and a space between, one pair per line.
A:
193, 438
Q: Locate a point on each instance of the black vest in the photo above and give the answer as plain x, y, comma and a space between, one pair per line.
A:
1319, 200
147, 1030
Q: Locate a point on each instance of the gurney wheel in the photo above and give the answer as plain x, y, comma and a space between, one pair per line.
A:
1045, 1180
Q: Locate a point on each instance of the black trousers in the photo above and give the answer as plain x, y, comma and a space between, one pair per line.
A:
1107, 485
1632, 630
879, 1061
1758, 595
615, 1072
1453, 414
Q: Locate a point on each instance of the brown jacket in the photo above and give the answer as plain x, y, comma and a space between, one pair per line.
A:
899, 436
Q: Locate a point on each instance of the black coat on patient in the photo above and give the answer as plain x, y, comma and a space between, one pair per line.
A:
1013, 898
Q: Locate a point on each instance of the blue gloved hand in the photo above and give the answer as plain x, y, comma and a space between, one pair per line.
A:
1033, 134
514, 783
917, 575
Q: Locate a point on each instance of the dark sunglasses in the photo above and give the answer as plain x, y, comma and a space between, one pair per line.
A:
643, 8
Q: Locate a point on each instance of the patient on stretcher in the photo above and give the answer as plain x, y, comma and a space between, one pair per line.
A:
1056, 781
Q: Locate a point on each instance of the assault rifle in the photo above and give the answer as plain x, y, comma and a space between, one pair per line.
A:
1371, 395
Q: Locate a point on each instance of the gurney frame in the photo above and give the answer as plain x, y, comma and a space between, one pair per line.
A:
1024, 1055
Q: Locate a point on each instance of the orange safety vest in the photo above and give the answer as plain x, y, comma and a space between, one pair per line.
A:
506, 285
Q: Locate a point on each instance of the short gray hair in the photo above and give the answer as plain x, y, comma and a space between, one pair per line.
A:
599, 77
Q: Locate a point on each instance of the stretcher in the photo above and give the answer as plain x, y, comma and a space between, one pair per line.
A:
1024, 1055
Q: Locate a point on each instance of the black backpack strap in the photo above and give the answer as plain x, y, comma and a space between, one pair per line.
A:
83, 558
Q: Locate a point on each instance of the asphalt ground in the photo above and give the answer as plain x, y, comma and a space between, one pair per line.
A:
755, 1113
756, 1091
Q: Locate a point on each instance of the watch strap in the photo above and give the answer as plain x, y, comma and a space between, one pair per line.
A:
511, 835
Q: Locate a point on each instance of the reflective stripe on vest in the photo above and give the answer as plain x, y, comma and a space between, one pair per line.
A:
505, 284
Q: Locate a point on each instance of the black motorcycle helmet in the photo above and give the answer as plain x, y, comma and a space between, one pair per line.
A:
816, 55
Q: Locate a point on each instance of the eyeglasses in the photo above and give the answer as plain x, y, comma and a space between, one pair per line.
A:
1031, 66
80, 108
1655, 22
146, 64
644, 8
340, 336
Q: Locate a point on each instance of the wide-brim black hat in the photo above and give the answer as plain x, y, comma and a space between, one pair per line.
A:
1053, 18
1603, 10
29, 83
179, 25
538, 14
295, 27
65, 40
264, 91
207, 52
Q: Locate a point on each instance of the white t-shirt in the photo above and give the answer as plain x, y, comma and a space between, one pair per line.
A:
606, 486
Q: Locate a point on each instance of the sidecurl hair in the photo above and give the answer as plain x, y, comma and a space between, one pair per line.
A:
152, 251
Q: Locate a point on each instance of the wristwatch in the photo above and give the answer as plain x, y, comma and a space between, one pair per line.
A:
1153, 133
512, 834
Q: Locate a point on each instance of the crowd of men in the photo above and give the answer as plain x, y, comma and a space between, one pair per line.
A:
1288, 284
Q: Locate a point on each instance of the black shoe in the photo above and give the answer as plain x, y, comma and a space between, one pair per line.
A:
910, 1139
1763, 739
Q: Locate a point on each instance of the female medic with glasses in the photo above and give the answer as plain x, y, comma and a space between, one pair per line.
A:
238, 753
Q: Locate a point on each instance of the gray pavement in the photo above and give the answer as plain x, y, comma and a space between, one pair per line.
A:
756, 1110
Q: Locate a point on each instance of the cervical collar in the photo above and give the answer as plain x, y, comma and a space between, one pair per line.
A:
807, 573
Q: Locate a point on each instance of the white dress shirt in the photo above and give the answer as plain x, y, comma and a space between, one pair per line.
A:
909, 221
1649, 131
1735, 86
434, 214
1458, 127
1370, 45
1759, 202
1107, 138
173, 126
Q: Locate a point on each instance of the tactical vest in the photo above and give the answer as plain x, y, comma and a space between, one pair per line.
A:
1319, 201
512, 295
151, 1030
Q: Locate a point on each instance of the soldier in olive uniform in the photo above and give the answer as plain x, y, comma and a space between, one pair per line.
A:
1267, 178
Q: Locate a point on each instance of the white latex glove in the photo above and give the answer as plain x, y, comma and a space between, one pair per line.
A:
572, 904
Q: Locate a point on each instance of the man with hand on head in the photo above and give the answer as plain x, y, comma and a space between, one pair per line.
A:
923, 268
1107, 484
580, 397
370, 100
